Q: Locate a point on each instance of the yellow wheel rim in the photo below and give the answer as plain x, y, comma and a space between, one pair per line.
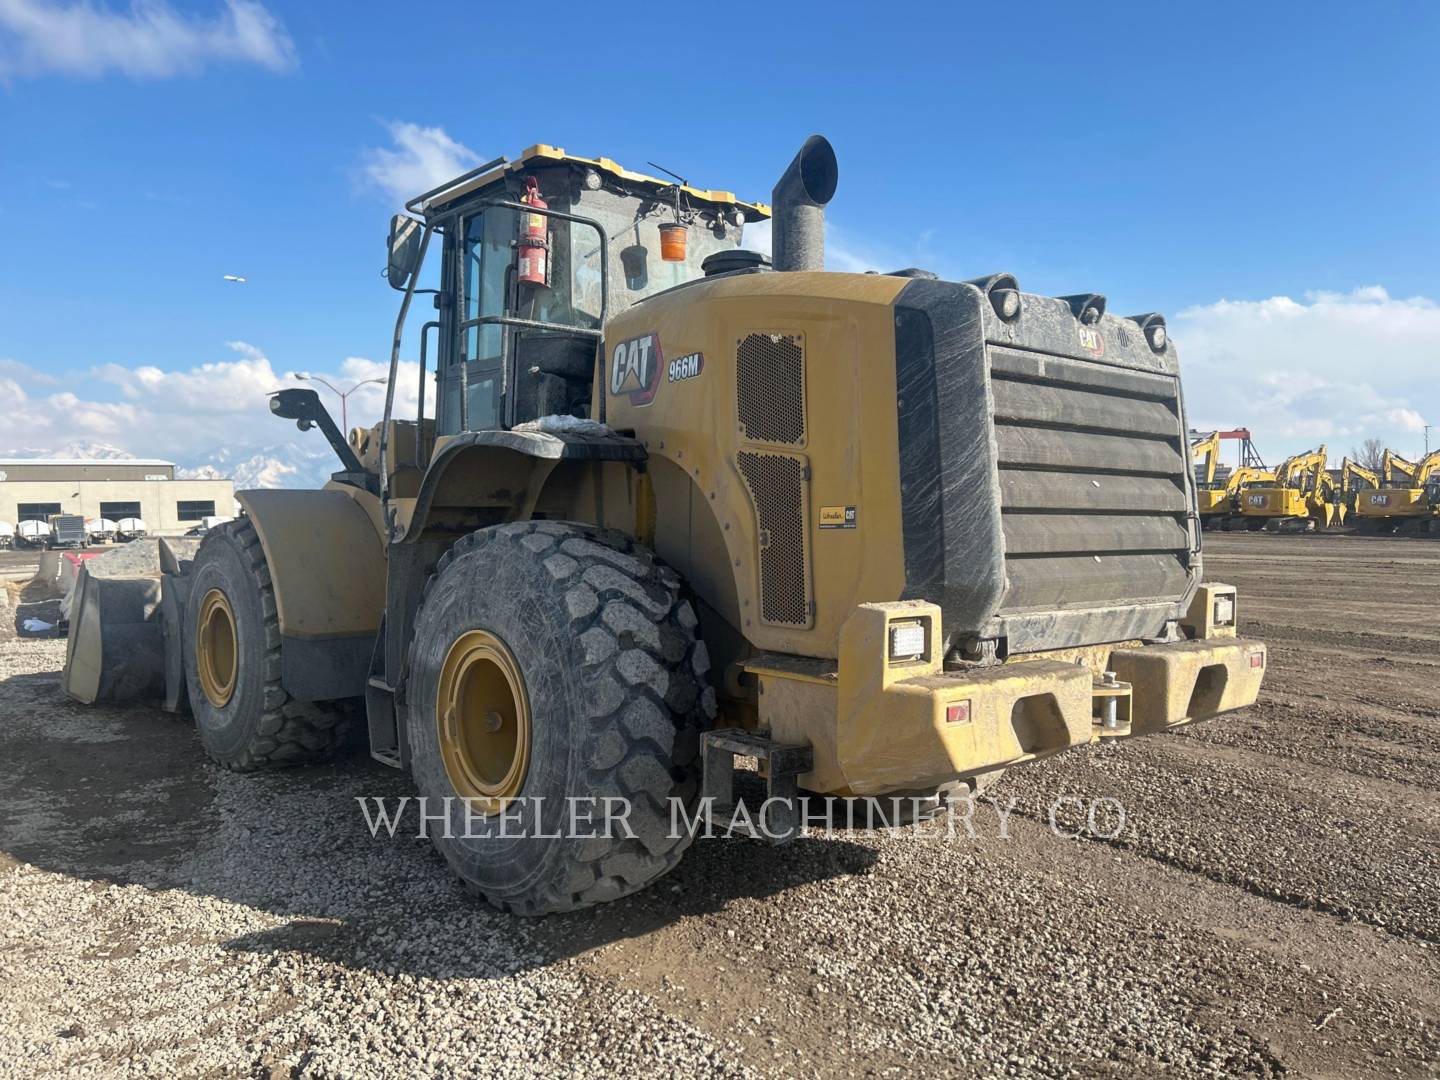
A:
216, 652
483, 716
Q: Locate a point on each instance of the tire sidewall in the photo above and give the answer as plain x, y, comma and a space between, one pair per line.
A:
228, 732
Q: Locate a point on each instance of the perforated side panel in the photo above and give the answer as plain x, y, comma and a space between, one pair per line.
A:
777, 488
770, 388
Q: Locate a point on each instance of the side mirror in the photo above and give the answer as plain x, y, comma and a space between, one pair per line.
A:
302, 405
404, 247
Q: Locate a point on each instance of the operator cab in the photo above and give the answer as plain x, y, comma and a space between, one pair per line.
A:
535, 255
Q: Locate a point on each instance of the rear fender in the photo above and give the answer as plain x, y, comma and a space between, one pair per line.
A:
482, 478
327, 567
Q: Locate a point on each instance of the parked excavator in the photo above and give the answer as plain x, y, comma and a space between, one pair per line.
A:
1216, 494
1356, 478
1302, 497
1409, 501
1225, 514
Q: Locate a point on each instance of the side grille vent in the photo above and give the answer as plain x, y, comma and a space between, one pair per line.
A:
777, 484
770, 388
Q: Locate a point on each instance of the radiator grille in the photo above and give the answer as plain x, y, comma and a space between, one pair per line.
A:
777, 489
770, 388
1092, 467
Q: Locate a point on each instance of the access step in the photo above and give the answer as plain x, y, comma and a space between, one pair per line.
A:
782, 765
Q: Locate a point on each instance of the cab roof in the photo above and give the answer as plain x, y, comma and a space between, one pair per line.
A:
542, 153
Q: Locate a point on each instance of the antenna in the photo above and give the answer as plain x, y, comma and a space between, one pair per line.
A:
667, 172
680, 186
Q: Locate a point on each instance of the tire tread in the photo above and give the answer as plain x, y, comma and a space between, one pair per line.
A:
664, 698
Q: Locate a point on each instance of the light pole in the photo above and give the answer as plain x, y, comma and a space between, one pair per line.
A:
342, 394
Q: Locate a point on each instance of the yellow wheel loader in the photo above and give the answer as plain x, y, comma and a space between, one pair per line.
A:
673, 503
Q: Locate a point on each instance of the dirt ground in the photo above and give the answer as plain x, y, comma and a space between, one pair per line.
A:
1271, 905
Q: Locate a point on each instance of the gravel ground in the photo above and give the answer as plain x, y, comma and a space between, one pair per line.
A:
1269, 906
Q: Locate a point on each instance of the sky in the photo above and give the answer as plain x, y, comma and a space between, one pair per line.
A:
1265, 175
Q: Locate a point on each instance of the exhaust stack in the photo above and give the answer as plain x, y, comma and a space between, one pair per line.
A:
797, 212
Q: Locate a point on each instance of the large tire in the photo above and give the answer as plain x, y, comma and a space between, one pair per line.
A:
258, 725
614, 680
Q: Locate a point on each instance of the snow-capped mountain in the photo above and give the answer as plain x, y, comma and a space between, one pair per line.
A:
285, 465
83, 451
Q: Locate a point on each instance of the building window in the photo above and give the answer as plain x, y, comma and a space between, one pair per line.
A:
194, 509
36, 511
118, 511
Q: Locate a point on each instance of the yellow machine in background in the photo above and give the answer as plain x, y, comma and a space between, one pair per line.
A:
1215, 492
1398, 468
1408, 501
1210, 497
1302, 496
1355, 479
1225, 501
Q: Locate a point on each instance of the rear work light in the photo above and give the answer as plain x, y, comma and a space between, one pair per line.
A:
1224, 610
907, 641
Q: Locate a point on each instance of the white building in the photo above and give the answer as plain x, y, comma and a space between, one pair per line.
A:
35, 488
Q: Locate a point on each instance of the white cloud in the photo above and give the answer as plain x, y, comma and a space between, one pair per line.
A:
149, 40
1331, 367
420, 159
14, 369
213, 418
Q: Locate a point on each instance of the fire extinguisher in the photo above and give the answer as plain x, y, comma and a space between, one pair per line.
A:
534, 237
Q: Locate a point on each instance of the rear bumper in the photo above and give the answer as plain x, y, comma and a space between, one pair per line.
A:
877, 729
1190, 680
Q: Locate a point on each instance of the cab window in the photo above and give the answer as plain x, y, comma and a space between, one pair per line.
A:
484, 354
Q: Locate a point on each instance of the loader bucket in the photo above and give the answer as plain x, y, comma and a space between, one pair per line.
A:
118, 639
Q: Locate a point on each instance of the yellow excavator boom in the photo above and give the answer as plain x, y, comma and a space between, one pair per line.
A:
1427, 469
1352, 471
1294, 470
1397, 468
1208, 447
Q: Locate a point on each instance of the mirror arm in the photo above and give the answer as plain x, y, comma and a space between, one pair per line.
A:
303, 406
395, 367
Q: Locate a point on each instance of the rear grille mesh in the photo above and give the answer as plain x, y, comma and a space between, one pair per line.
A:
777, 489
1092, 468
770, 388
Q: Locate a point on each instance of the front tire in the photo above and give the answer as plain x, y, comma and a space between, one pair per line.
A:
246, 719
554, 666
